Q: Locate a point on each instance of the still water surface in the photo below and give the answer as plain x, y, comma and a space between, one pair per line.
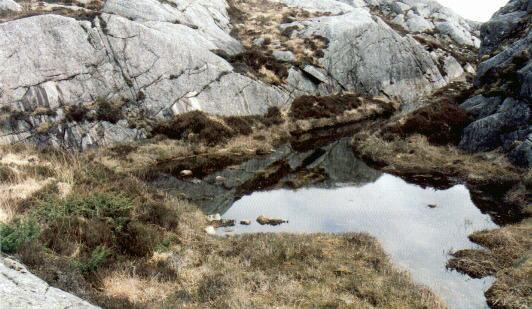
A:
341, 193
417, 237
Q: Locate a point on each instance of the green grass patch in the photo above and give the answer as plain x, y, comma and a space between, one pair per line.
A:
17, 233
97, 258
97, 205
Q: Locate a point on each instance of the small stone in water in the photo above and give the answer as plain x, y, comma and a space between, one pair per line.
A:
210, 230
245, 222
263, 220
224, 223
432, 206
215, 217
220, 179
185, 173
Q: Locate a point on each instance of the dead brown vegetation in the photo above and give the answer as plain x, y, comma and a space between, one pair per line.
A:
507, 257
198, 127
306, 107
441, 123
257, 61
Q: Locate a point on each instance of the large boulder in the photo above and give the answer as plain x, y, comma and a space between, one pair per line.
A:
491, 131
21, 289
505, 77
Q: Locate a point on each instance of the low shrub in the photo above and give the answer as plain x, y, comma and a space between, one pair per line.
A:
97, 258
160, 214
107, 111
97, 205
7, 174
16, 234
241, 125
272, 117
255, 60
76, 113
138, 239
196, 123
103, 111
441, 123
66, 235
306, 107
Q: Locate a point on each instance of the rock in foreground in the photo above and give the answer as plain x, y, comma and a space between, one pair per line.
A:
21, 289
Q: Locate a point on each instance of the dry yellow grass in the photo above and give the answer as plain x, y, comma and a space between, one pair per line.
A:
415, 155
508, 257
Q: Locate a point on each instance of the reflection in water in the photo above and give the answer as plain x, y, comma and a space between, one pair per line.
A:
417, 237
340, 193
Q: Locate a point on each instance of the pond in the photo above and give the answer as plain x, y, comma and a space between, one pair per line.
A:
328, 190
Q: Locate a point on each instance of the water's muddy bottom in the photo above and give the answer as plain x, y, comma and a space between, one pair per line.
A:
328, 190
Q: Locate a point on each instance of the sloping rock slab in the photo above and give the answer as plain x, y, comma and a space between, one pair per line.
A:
21, 289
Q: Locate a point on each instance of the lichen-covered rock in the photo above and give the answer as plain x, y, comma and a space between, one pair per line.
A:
21, 289
503, 112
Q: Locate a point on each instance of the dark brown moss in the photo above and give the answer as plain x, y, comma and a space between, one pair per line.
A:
138, 239
77, 113
107, 111
306, 107
272, 117
254, 60
241, 125
195, 125
441, 123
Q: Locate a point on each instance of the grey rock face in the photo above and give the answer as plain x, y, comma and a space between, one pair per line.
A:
20, 289
501, 27
480, 106
488, 133
367, 56
9, 6
504, 121
156, 68
153, 59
